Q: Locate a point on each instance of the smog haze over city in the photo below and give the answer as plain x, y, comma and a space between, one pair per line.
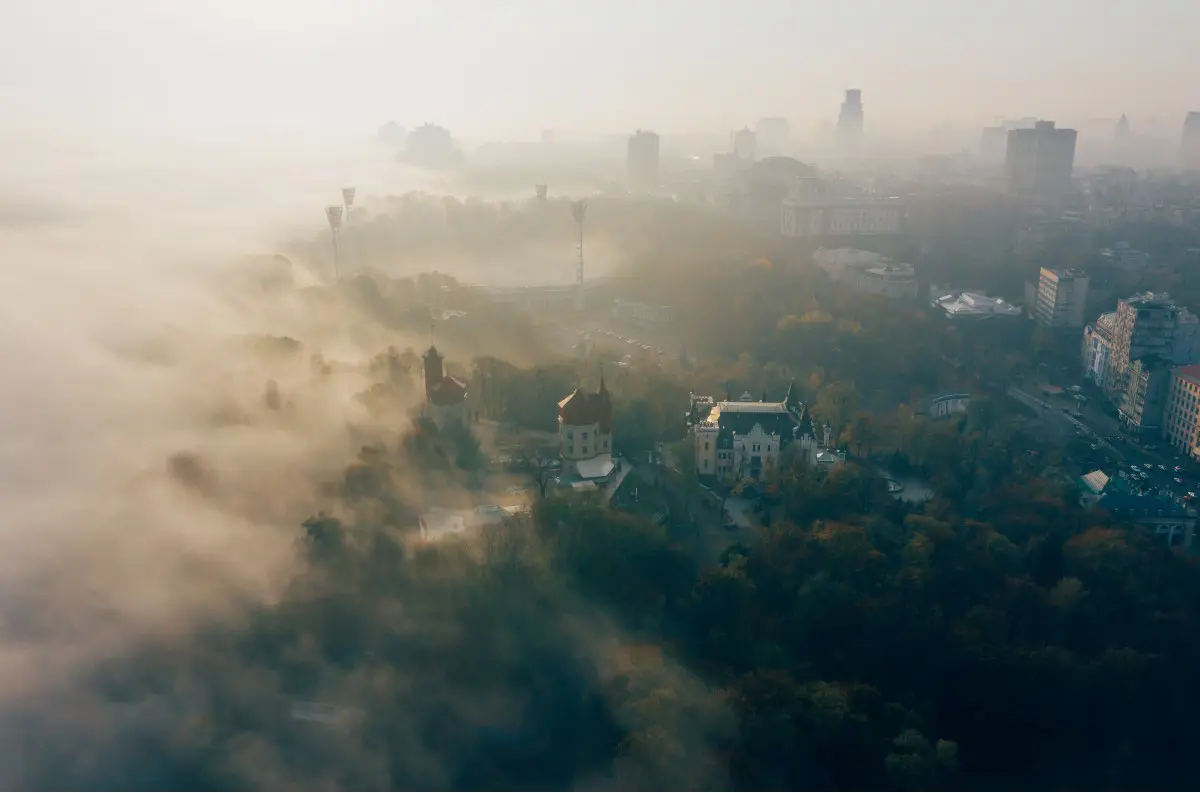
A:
599, 395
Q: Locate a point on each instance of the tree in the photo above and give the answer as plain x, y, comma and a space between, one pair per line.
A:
681, 456
539, 467
836, 403
861, 432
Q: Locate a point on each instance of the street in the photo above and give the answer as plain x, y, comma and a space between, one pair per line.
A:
1148, 466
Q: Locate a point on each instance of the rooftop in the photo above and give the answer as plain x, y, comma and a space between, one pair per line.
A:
1065, 272
1190, 373
749, 407
1096, 481
976, 304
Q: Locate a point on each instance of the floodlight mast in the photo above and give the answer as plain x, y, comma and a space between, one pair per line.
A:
333, 213
348, 194
579, 212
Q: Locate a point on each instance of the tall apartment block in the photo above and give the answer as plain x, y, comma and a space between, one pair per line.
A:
1038, 162
1061, 298
850, 120
641, 161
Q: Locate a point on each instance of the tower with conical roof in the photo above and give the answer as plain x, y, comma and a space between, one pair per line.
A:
585, 432
444, 395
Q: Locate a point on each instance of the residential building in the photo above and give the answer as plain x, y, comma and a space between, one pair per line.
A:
1061, 298
1097, 347
1147, 383
975, 306
445, 396
1150, 325
1189, 144
850, 120
754, 193
994, 139
585, 434
743, 439
1038, 162
1181, 419
641, 161
745, 144
868, 272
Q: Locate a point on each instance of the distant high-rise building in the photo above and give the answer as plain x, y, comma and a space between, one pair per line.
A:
1038, 162
774, 135
641, 160
1121, 131
850, 119
1189, 146
745, 144
992, 143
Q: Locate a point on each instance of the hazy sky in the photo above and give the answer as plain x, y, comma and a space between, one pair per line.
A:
487, 68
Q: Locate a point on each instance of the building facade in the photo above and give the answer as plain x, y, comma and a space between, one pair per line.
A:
850, 120
641, 161
585, 433
745, 144
1038, 162
1147, 383
1181, 419
1061, 298
754, 192
1097, 347
1146, 325
743, 439
1189, 143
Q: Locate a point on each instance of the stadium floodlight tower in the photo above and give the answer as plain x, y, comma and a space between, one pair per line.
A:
352, 246
579, 212
333, 213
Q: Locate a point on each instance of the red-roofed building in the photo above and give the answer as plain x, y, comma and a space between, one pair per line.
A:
444, 395
1181, 417
585, 432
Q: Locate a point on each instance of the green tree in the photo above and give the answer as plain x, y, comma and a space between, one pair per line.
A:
836, 403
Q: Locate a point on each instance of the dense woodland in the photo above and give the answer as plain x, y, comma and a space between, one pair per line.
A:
996, 636
856, 643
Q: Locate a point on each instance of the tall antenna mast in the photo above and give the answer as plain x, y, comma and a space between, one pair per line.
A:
579, 212
333, 213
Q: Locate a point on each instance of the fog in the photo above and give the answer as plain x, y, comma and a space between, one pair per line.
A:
151, 492
145, 485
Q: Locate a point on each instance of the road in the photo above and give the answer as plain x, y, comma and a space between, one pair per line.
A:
1157, 462
1060, 418
711, 535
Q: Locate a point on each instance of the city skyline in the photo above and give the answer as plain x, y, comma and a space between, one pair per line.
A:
324, 65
